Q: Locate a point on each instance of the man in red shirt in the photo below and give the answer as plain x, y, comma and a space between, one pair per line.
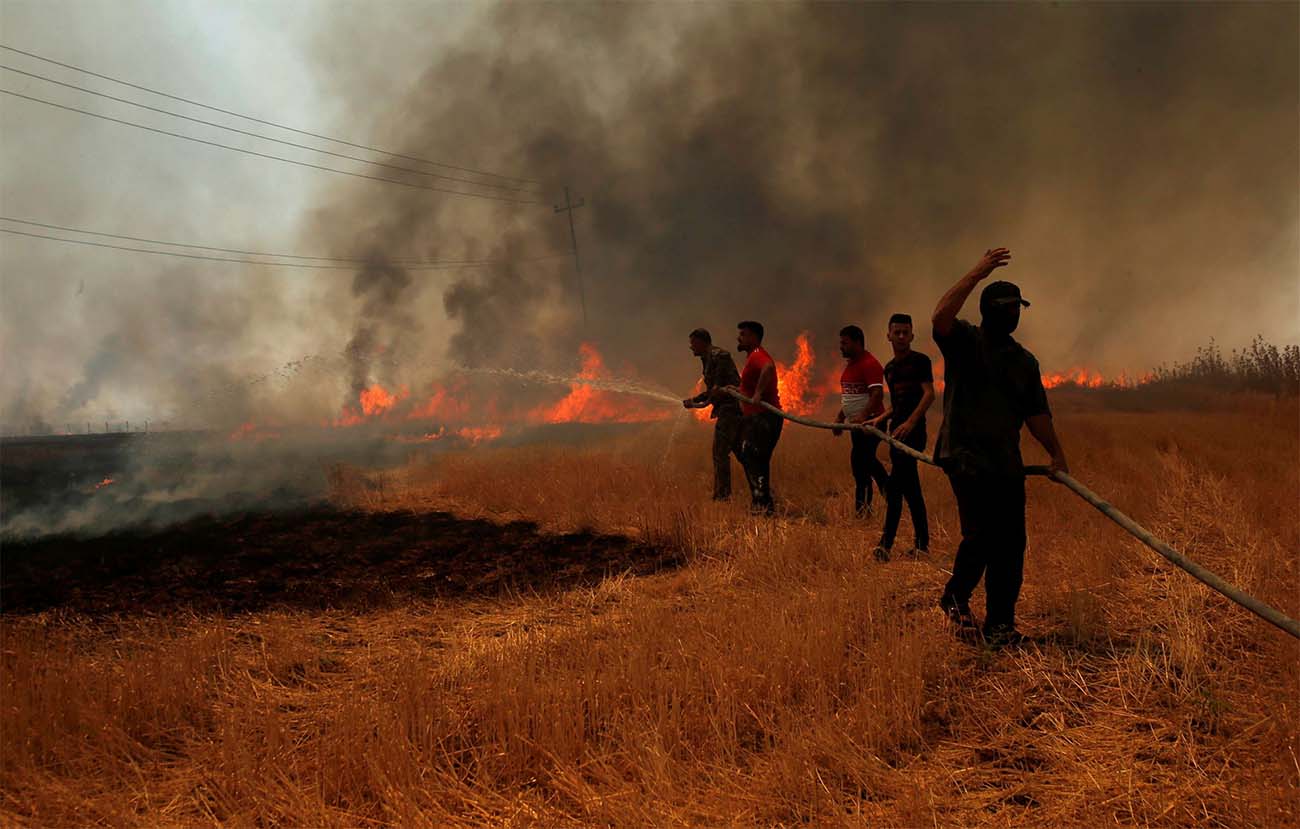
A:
862, 391
760, 428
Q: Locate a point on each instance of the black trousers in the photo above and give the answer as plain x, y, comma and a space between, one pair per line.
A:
992, 513
905, 485
759, 435
866, 467
726, 442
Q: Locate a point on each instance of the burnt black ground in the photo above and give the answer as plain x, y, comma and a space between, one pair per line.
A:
313, 558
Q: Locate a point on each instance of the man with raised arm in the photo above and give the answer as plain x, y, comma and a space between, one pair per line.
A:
760, 428
719, 371
992, 388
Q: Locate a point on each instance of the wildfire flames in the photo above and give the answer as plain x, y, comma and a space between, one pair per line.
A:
374, 400
1089, 379
104, 483
794, 383
586, 404
474, 418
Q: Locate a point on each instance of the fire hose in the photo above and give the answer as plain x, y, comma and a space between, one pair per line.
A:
1207, 577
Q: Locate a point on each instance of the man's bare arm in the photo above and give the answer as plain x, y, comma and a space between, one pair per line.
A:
945, 313
918, 415
1040, 426
927, 397
874, 395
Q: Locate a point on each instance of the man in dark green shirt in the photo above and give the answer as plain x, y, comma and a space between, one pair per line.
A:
719, 371
992, 388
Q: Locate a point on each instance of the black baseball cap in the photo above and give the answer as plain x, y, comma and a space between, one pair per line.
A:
1001, 293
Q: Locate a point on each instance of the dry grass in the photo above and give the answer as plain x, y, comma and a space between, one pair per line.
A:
780, 677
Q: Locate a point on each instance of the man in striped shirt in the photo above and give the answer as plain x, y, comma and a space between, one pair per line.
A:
862, 391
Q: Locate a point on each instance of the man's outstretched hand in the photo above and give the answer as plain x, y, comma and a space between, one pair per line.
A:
992, 260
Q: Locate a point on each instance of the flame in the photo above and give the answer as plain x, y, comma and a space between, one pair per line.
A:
445, 403
1080, 377
104, 483
587, 404
799, 395
374, 400
1086, 378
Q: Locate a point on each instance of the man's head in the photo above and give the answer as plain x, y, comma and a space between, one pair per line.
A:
1000, 304
701, 342
749, 335
852, 342
900, 332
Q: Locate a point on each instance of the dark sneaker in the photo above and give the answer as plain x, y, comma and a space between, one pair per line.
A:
960, 615
918, 552
1004, 636
881, 554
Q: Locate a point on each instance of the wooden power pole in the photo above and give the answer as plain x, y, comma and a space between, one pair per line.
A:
569, 207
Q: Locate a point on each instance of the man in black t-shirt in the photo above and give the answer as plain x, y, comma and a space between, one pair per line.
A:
992, 388
911, 391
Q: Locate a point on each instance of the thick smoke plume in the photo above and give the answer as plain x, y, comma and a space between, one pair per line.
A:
811, 166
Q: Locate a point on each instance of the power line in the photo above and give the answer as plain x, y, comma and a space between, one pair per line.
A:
267, 137
268, 155
447, 266
251, 252
262, 121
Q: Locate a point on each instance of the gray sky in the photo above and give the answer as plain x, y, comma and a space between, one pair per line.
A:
1141, 161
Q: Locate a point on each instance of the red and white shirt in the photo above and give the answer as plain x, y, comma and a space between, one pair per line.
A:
859, 378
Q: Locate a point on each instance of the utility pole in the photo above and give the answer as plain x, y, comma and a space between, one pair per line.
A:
569, 207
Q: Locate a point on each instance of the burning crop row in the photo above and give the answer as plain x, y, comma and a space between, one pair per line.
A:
467, 412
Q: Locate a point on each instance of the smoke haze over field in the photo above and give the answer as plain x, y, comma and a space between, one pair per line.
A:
808, 166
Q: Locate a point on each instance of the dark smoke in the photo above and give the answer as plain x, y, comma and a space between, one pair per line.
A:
812, 165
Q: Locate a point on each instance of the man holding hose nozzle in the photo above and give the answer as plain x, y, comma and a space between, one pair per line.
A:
719, 372
993, 387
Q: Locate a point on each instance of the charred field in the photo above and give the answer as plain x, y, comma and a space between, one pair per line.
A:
570, 633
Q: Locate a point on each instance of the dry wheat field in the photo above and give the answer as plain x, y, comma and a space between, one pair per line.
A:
576, 636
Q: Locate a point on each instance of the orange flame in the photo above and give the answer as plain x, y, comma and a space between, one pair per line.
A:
104, 483
1077, 377
587, 404
1086, 378
443, 404
375, 400
794, 382
1081, 377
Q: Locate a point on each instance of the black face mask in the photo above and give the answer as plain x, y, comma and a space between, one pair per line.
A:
1000, 321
